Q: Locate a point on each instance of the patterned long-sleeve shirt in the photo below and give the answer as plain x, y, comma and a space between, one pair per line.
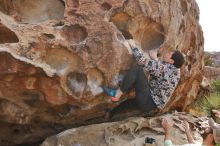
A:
163, 80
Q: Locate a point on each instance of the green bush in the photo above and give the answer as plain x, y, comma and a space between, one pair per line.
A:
208, 61
205, 104
216, 86
208, 103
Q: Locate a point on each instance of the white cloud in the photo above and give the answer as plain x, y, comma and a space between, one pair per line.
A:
210, 22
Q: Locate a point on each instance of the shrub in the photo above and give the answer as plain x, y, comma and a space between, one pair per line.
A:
216, 86
204, 105
208, 60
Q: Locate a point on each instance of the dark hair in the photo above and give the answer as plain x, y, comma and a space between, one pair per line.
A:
178, 59
205, 134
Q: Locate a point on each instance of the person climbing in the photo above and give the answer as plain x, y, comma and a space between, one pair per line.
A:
211, 135
154, 92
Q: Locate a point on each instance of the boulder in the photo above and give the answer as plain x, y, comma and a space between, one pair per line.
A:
129, 132
55, 55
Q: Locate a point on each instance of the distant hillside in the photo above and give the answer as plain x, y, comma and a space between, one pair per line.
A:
212, 65
214, 58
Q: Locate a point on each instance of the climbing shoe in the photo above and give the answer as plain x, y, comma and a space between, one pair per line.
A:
110, 92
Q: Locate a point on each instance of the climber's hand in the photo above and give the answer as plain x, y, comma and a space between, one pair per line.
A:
153, 54
216, 113
166, 124
185, 125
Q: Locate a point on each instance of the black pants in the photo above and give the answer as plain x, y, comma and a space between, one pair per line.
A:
137, 79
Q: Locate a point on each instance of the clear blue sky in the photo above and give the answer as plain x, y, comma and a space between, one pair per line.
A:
210, 22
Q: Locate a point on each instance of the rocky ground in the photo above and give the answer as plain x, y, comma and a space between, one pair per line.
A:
129, 132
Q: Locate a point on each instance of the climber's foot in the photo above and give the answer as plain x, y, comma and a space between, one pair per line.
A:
111, 92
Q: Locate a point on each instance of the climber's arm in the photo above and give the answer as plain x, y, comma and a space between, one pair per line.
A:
154, 67
188, 132
167, 126
138, 54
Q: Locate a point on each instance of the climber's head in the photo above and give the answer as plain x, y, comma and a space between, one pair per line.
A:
174, 57
211, 134
208, 138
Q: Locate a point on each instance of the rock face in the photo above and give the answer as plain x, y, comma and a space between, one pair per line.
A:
55, 54
130, 132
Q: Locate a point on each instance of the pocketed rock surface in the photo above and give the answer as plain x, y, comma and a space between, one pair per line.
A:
130, 132
55, 54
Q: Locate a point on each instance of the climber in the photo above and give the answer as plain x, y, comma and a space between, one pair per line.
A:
163, 78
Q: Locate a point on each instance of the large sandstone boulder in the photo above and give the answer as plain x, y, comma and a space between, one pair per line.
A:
130, 132
55, 54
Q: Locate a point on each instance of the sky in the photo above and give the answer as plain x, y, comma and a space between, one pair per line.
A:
210, 22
